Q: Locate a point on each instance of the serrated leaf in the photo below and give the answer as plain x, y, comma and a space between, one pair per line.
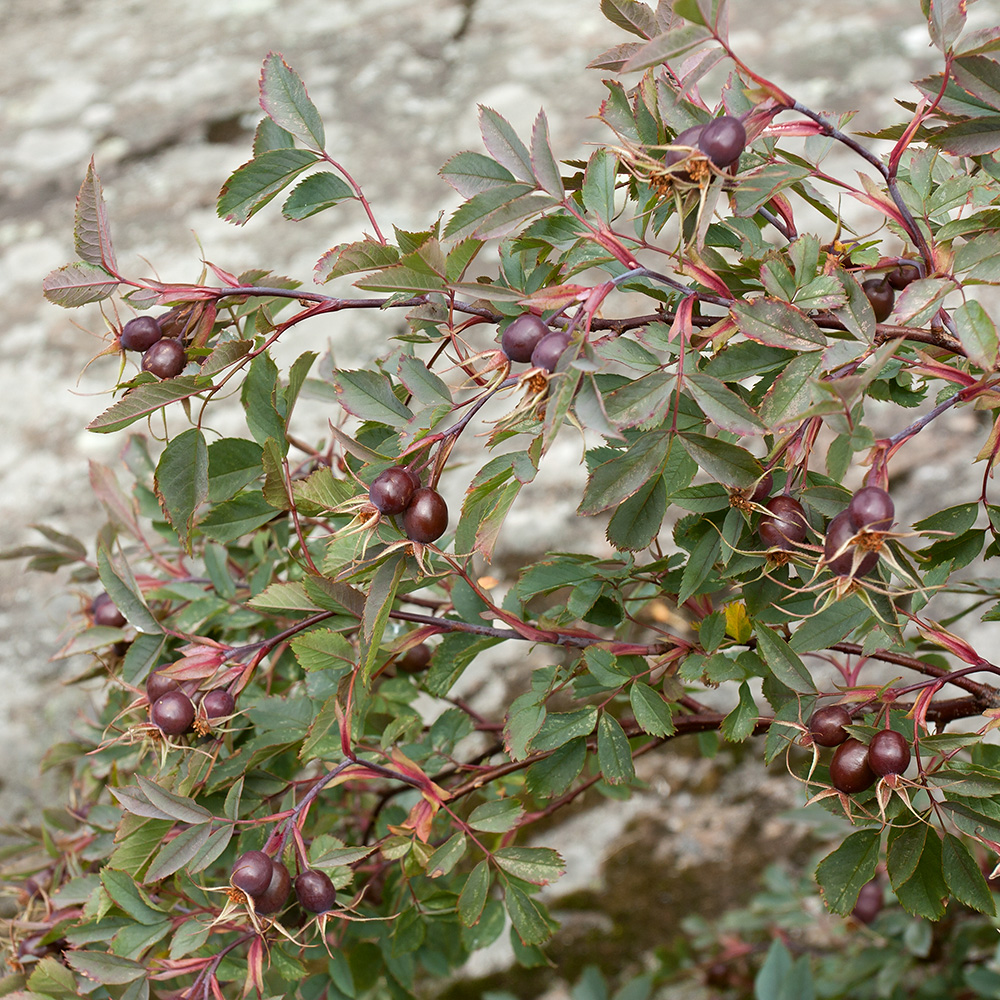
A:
842, 873
777, 324
632, 16
978, 334
666, 46
251, 186
92, 230
543, 163
638, 520
914, 863
502, 142
599, 185
234, 518
470, 173
349, 258
124, 592
728, 463
144, 400
369, 395
444, 859
945, 21
428, 388
964, 877
283, 97
560, 728
378, 604
651, 711
527, 916
105, 969
178, 852
614, 756
538, 865
497, 816
617, 479
77, 284
121, 887
180, 807
315, 194
472, 898
722, 406
782, 660
740, 722
479, 209
792, 392
181, 480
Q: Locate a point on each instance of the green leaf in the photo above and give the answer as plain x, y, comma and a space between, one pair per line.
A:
945, 21
77, 284
757, 188
538, 865
524, 719
543, 163
842, 873
914, 862
528, 917
260, 398
777, 324
444, 859
237, 517
782, 660
128, 897
599, 185
315, 194
639, 401
555, 773
722, 406
180, 807
323, 649
251, 186
378, 604
144, 400
780, 978
631, 15
561, 727
369, 395
651, 711
233, 464
123, 590
667, 45
283, 97
104, 969
638, 520
831, 625
471, 173
964, 878
428, 388
472, 898
614, 756
181, 479
791, 393
728, 463
92, 230
502, 142
497, 816
625, 474
975, 137
349, 258
477, 212
739, 723
978, 334
178, 852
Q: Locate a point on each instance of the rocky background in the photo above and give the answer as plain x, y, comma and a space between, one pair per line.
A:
164, 96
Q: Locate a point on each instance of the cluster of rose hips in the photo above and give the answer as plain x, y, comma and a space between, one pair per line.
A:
854, 766
398, 491
172, 710
529, 339
267, 882
162, 356
881, 292
784, 526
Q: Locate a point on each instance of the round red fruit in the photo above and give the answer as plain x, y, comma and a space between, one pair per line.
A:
784, 525
871, 507
315, 892
826, 725
426, 517
172, 713
140, 333
165, 359
849, 770
888, 753
722, 140
218, 703
549, 350
881, 296
158, 684
392, 490
252, 872
838, 534
104, 612
274, 896
521, 337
